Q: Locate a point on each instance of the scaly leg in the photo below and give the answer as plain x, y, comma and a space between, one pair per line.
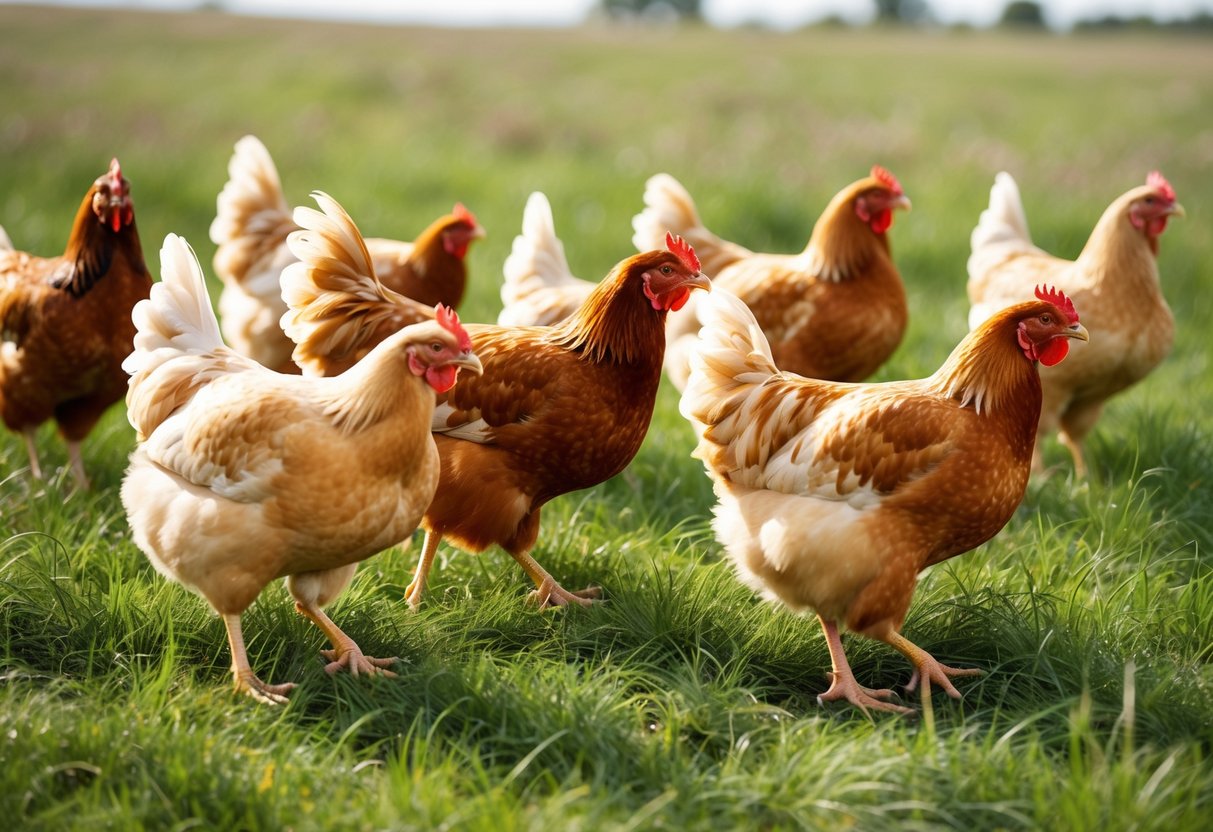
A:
429, 548
345, 653
548, 593
927, 668
844, 685
246, 680
32, 449
77, 460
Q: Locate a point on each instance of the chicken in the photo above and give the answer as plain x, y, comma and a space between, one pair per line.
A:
539, 288
836, 311
66, 321
557, 409
251, 225
1114, 281
834, 496
244, 475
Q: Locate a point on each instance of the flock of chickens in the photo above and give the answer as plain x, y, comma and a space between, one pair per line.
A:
829, 489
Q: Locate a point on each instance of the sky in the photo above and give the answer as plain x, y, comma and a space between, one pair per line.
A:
778, 13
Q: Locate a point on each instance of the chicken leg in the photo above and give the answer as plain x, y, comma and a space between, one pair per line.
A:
927, 667
547, 592
32, 449
246, 680
844, 685
413, 592
312, 590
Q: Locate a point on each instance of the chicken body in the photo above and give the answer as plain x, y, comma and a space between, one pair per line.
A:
1114, 281
836, 310
557, 408
251, 226
244, 475
834, 496
66, 322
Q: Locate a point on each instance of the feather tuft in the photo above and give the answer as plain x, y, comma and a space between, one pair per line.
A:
1058, 298
684, 251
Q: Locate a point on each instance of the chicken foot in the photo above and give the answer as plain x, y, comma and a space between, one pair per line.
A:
843, 684
548, 593
246, 680
927, 668
346, 654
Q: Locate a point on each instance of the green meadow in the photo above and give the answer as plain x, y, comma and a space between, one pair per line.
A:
683, 701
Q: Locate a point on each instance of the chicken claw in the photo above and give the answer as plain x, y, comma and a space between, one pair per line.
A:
247, 682
355, 662
845, 687
939, 673
551, 594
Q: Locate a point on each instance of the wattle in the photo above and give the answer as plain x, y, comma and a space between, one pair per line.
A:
1054, 351
881, 222
441, 378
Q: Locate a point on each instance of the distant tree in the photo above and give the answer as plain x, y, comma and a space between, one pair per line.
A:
652, 8
903, 12
1023, 14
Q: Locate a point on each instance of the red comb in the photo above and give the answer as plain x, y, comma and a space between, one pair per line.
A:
1159, 183
116, 170
684, 251
887, 179
463, 214
448, 320
1058, 298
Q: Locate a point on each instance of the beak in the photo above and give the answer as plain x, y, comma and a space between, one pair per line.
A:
1078, 331
470, 362
699, 281
478, 233
1177, 210
902, 202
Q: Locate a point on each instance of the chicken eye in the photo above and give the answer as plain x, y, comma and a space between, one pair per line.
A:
666, 270
1046, 319
436, 347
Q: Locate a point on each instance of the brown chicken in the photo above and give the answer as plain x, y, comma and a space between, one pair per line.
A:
244, 475
834, 496
556, 410
836, 311
66, 321
251, 225
1115, 283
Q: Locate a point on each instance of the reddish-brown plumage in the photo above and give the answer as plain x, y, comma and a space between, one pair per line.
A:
835, 496
836, 310
70, 318
434, 271
565, 408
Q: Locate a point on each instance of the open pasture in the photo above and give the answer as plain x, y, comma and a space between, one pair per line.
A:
682, 702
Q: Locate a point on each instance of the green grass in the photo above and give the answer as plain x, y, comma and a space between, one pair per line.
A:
682, 702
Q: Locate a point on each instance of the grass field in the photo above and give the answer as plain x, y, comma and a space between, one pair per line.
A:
683, 701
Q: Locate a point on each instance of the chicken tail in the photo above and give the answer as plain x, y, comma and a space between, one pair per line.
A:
539, 288
730, 359
178, 348
252, 218
337, 308
5, 243
1004, 221
668, 207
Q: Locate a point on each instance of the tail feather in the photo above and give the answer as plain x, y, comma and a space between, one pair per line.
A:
252, 218
669, 207
539, 289
1004, 221
338, 309
731, 358
177, 348
5, 243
